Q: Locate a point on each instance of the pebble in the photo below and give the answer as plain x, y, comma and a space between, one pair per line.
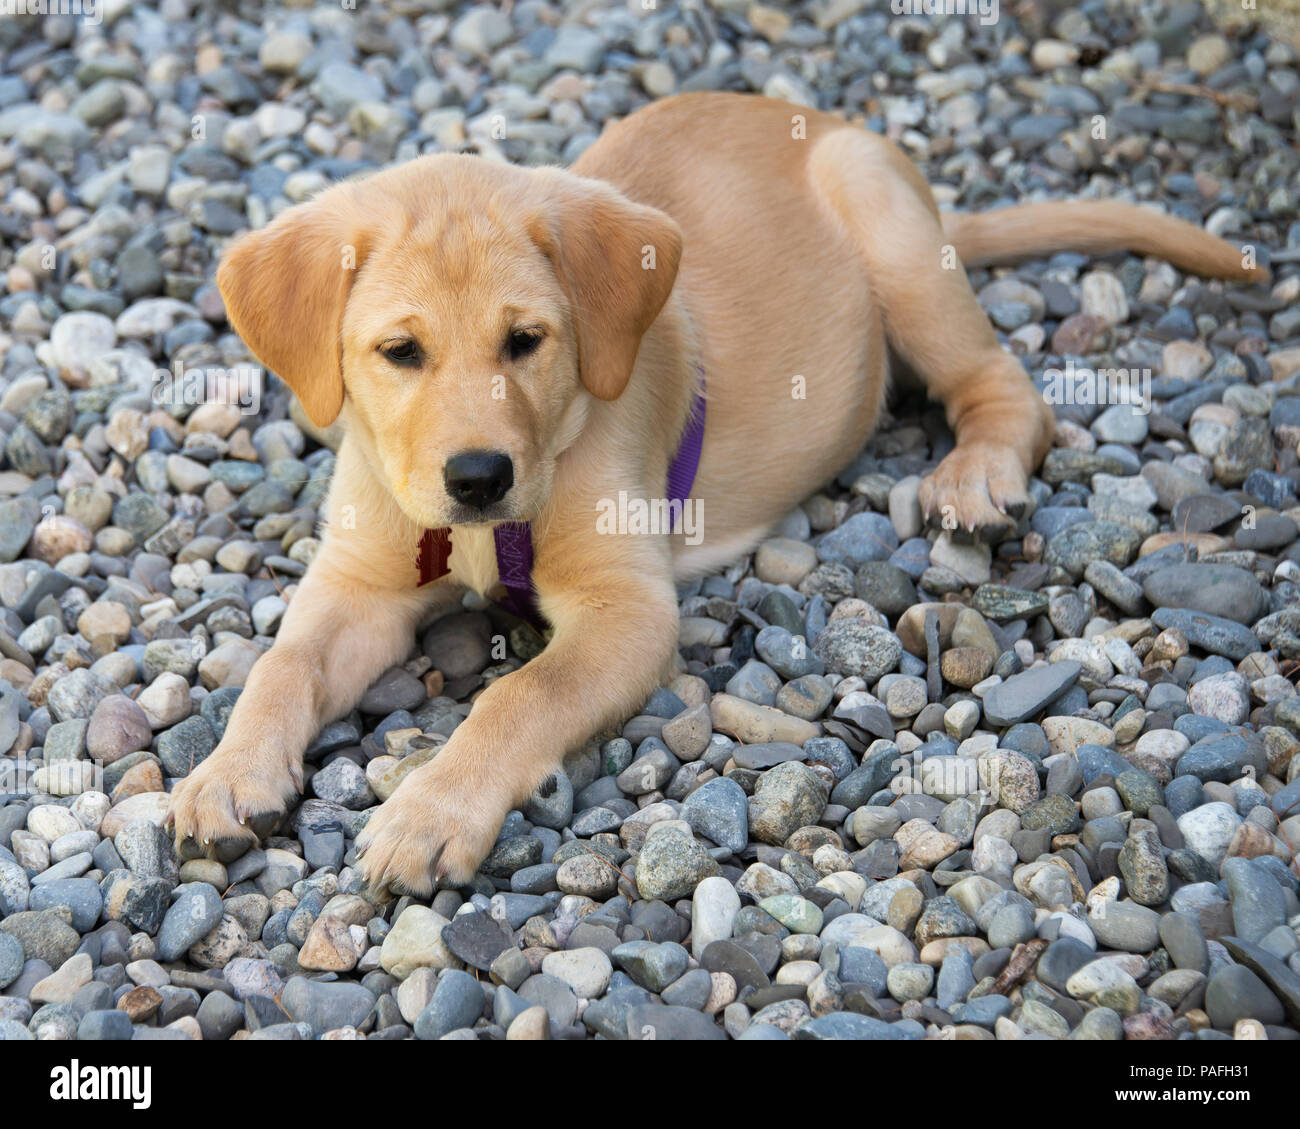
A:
1025, 695
671, 865
587, 970
457, 1002
1208, 830
1235, 993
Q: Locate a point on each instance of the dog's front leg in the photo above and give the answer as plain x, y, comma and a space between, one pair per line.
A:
341, 631
614, 637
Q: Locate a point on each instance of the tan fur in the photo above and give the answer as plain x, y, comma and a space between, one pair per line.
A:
790, 252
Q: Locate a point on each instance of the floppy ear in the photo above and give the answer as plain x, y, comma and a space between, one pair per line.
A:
617, 261
285, 287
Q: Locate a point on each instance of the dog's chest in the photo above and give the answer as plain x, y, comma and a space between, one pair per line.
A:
473, 560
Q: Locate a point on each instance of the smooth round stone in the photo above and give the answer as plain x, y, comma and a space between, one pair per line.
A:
652, 965
961, 718
906, 697
1236, 993
75, 843
1224, 697
586, 970
1099, 802
1174, 987
1011, 925
1138, 791
11, 959
1097, 976
1037, 1018
884, 586
782, 560
80, 895
45, 935
588, 875
1076, 547
457, 1002
415, 941
797, 914
476, 938
205, 870
1258, 903
785, 653
755, 682
342, 782
863, 537
1121, 423
554, 995
1165, 745
1126, 926
109, 1025
910, 981
1184, 942
1208, 830
713, 911
1270, 533
196, 911
693, 990
964, 667
1061, 960
1100, 1024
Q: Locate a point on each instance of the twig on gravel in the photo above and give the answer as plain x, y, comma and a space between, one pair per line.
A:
608, 862
1022, 960
1228, 99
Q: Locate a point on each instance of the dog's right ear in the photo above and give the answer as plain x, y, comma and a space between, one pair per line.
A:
285, 287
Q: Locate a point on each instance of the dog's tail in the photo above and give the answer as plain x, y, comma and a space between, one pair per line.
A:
1095, 227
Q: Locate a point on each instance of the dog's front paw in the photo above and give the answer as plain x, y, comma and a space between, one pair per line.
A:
979, 490
229, 793
439, 825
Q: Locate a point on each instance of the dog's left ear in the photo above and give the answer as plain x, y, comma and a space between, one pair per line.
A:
617, 262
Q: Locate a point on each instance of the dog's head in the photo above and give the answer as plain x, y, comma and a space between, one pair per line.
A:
464, 312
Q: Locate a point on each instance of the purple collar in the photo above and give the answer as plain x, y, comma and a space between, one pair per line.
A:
514, 539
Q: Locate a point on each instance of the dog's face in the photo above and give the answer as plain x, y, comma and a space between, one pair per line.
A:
461, 314
460, 366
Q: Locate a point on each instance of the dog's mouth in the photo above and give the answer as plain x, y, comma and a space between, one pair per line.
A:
446, 511
460, 514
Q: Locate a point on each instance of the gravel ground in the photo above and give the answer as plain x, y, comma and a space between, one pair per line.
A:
1048, 791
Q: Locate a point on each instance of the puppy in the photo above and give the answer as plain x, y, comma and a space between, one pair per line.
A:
510, 345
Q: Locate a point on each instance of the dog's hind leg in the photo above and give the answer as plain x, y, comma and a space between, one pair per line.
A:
932, 320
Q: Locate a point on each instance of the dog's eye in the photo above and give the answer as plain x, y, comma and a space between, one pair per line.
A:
521, 342
402, 352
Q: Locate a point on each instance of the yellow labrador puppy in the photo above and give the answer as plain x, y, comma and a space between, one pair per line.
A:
520, 345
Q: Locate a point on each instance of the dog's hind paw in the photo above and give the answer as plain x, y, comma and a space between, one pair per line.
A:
979, 491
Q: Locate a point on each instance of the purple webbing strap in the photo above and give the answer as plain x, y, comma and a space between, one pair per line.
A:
514, 545
681, 471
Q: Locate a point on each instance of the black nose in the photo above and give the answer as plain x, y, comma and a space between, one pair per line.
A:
478, 478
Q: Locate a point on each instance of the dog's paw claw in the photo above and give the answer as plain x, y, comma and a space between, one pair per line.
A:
228, 800
979, 490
